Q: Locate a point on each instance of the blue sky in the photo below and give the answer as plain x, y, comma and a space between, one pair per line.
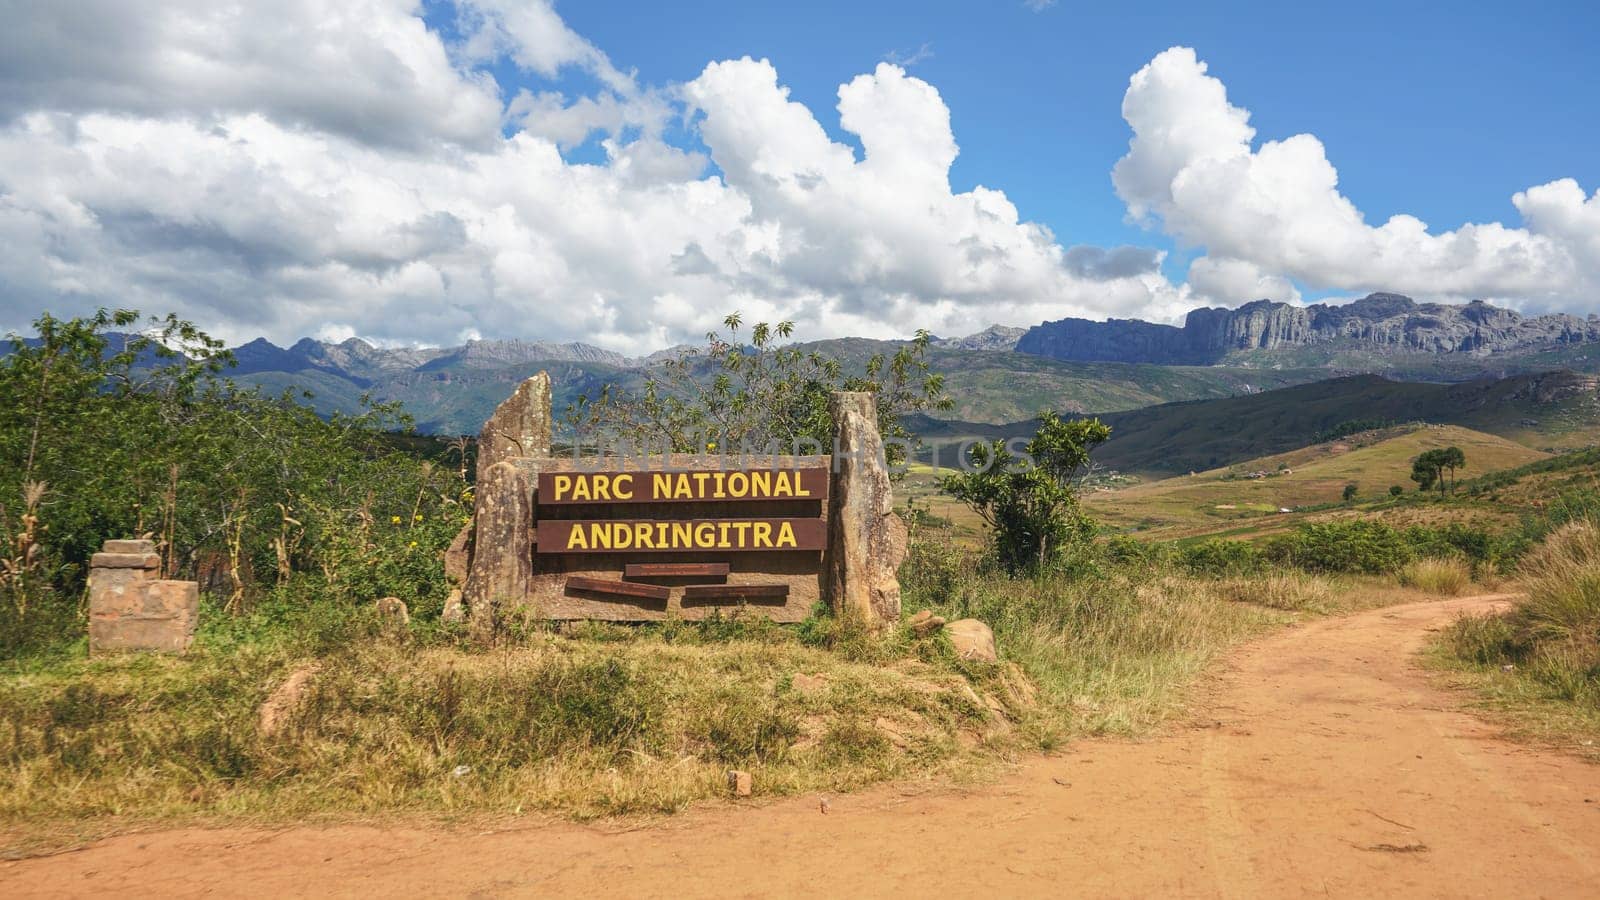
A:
624, 173
1440, 110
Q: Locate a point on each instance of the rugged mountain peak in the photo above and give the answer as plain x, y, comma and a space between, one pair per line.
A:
995, 337
1377, 323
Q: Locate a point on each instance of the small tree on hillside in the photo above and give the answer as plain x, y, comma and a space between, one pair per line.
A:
1452, 458
1030, 500
1428, 469
1396, 490
1350, 492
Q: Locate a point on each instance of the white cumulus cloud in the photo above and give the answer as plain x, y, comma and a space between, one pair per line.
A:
282, 205
1272, 213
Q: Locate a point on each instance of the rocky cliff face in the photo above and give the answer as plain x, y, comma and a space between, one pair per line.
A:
995, 337
1378, 323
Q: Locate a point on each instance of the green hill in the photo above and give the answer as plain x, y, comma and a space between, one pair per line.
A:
1552, 409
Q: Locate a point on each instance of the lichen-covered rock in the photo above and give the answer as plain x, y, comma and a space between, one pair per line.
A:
457, 564
281, 704
924, 623
866, 540
502, 560
396, 617
972, 640
520, 426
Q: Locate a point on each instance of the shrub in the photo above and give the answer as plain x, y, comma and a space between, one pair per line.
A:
1365, 546
1454, 539
1446, 577
108, 435
1219, 556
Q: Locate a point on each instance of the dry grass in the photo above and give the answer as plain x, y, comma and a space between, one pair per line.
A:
1291, 590
1205, 503
588, 726
601, 720
1539, 664
1441, 577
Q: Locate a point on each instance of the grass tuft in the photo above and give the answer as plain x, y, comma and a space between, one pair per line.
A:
1446, 577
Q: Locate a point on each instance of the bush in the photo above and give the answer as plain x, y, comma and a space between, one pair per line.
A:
1454, 539
107, 435
1446, 577
1219, 556
1364, 546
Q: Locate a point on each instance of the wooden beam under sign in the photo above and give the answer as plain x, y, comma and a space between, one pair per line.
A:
675, 570
736, 592
618, 588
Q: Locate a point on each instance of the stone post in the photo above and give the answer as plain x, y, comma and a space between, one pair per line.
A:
502, 551
866, 540
131, 609
520, 426
491, 559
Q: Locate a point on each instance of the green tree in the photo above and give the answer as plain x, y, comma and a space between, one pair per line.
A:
114, 426
1396, 490
1428, 469
759, 393
1452, 458
1029, 498
1350, 492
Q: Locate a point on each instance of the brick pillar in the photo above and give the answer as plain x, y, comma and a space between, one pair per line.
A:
131, 609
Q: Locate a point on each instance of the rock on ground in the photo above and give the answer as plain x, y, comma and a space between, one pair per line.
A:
972, 640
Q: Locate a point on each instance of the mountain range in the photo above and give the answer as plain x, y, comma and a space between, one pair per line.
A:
1000, 374
1378, 324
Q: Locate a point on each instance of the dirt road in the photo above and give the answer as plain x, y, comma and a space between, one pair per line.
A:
1324, 764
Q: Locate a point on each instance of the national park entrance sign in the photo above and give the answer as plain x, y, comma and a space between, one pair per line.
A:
675, 535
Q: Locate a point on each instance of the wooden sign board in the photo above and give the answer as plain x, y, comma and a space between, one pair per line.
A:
679, 535
704, 486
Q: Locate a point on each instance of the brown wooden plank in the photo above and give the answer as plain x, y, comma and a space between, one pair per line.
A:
761, 485
618, 588
675, 570
735, 592
763, 535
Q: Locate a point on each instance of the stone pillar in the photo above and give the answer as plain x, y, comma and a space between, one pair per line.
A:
502, 546
520, 426
866, 540
495, 551
131, 609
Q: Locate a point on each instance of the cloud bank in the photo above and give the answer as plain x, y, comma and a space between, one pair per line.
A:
337, 168
1271, 214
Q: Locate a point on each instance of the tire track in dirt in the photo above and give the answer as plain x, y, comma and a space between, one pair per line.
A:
1324, 762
